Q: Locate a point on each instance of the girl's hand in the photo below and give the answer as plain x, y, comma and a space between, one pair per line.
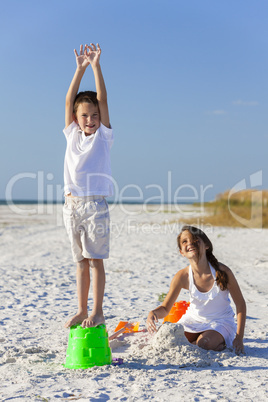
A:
238, 345
93, 54
150, 323
82, 59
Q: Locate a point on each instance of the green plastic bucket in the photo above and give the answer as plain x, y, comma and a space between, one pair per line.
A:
88, 347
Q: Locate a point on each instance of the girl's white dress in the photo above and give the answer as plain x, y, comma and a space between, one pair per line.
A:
209, 311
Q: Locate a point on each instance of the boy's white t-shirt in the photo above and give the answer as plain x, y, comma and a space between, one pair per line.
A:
87, 164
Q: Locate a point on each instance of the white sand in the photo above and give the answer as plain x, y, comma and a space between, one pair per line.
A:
38, 293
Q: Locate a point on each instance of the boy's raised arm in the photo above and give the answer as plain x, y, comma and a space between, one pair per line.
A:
82, 62
93, 54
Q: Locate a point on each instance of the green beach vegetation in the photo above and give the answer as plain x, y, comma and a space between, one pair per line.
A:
246, 208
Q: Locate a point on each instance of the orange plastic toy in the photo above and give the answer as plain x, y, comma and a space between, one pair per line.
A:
124, 327
129, 327
177, 311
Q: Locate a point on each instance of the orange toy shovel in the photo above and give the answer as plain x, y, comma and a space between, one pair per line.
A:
125, 327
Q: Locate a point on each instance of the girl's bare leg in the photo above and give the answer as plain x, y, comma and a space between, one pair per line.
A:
83, 283
192, 336
211, 340
98, 275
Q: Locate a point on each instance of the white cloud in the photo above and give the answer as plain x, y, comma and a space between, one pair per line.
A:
240, 102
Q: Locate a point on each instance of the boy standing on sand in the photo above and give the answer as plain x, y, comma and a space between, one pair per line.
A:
87, 181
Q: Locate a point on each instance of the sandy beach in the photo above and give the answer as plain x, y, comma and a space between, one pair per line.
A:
38, 294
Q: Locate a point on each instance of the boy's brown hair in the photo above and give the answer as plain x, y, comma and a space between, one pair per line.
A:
85, 97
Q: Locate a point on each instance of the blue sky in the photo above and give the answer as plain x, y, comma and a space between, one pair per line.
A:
187, 91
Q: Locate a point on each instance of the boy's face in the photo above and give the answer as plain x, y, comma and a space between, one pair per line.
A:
88, 117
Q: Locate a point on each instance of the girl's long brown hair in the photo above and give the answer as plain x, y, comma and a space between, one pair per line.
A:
221, 276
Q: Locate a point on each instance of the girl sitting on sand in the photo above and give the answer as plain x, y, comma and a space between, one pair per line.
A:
209, 321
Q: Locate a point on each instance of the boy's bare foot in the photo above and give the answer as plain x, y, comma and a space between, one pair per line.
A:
76, 319
93, 320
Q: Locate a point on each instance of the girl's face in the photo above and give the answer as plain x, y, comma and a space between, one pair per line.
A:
88, 118
190, 246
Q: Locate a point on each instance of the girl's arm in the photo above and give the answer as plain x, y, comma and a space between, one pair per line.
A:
179, 281
241, 310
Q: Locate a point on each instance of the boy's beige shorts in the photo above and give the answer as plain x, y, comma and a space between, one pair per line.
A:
87, 223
